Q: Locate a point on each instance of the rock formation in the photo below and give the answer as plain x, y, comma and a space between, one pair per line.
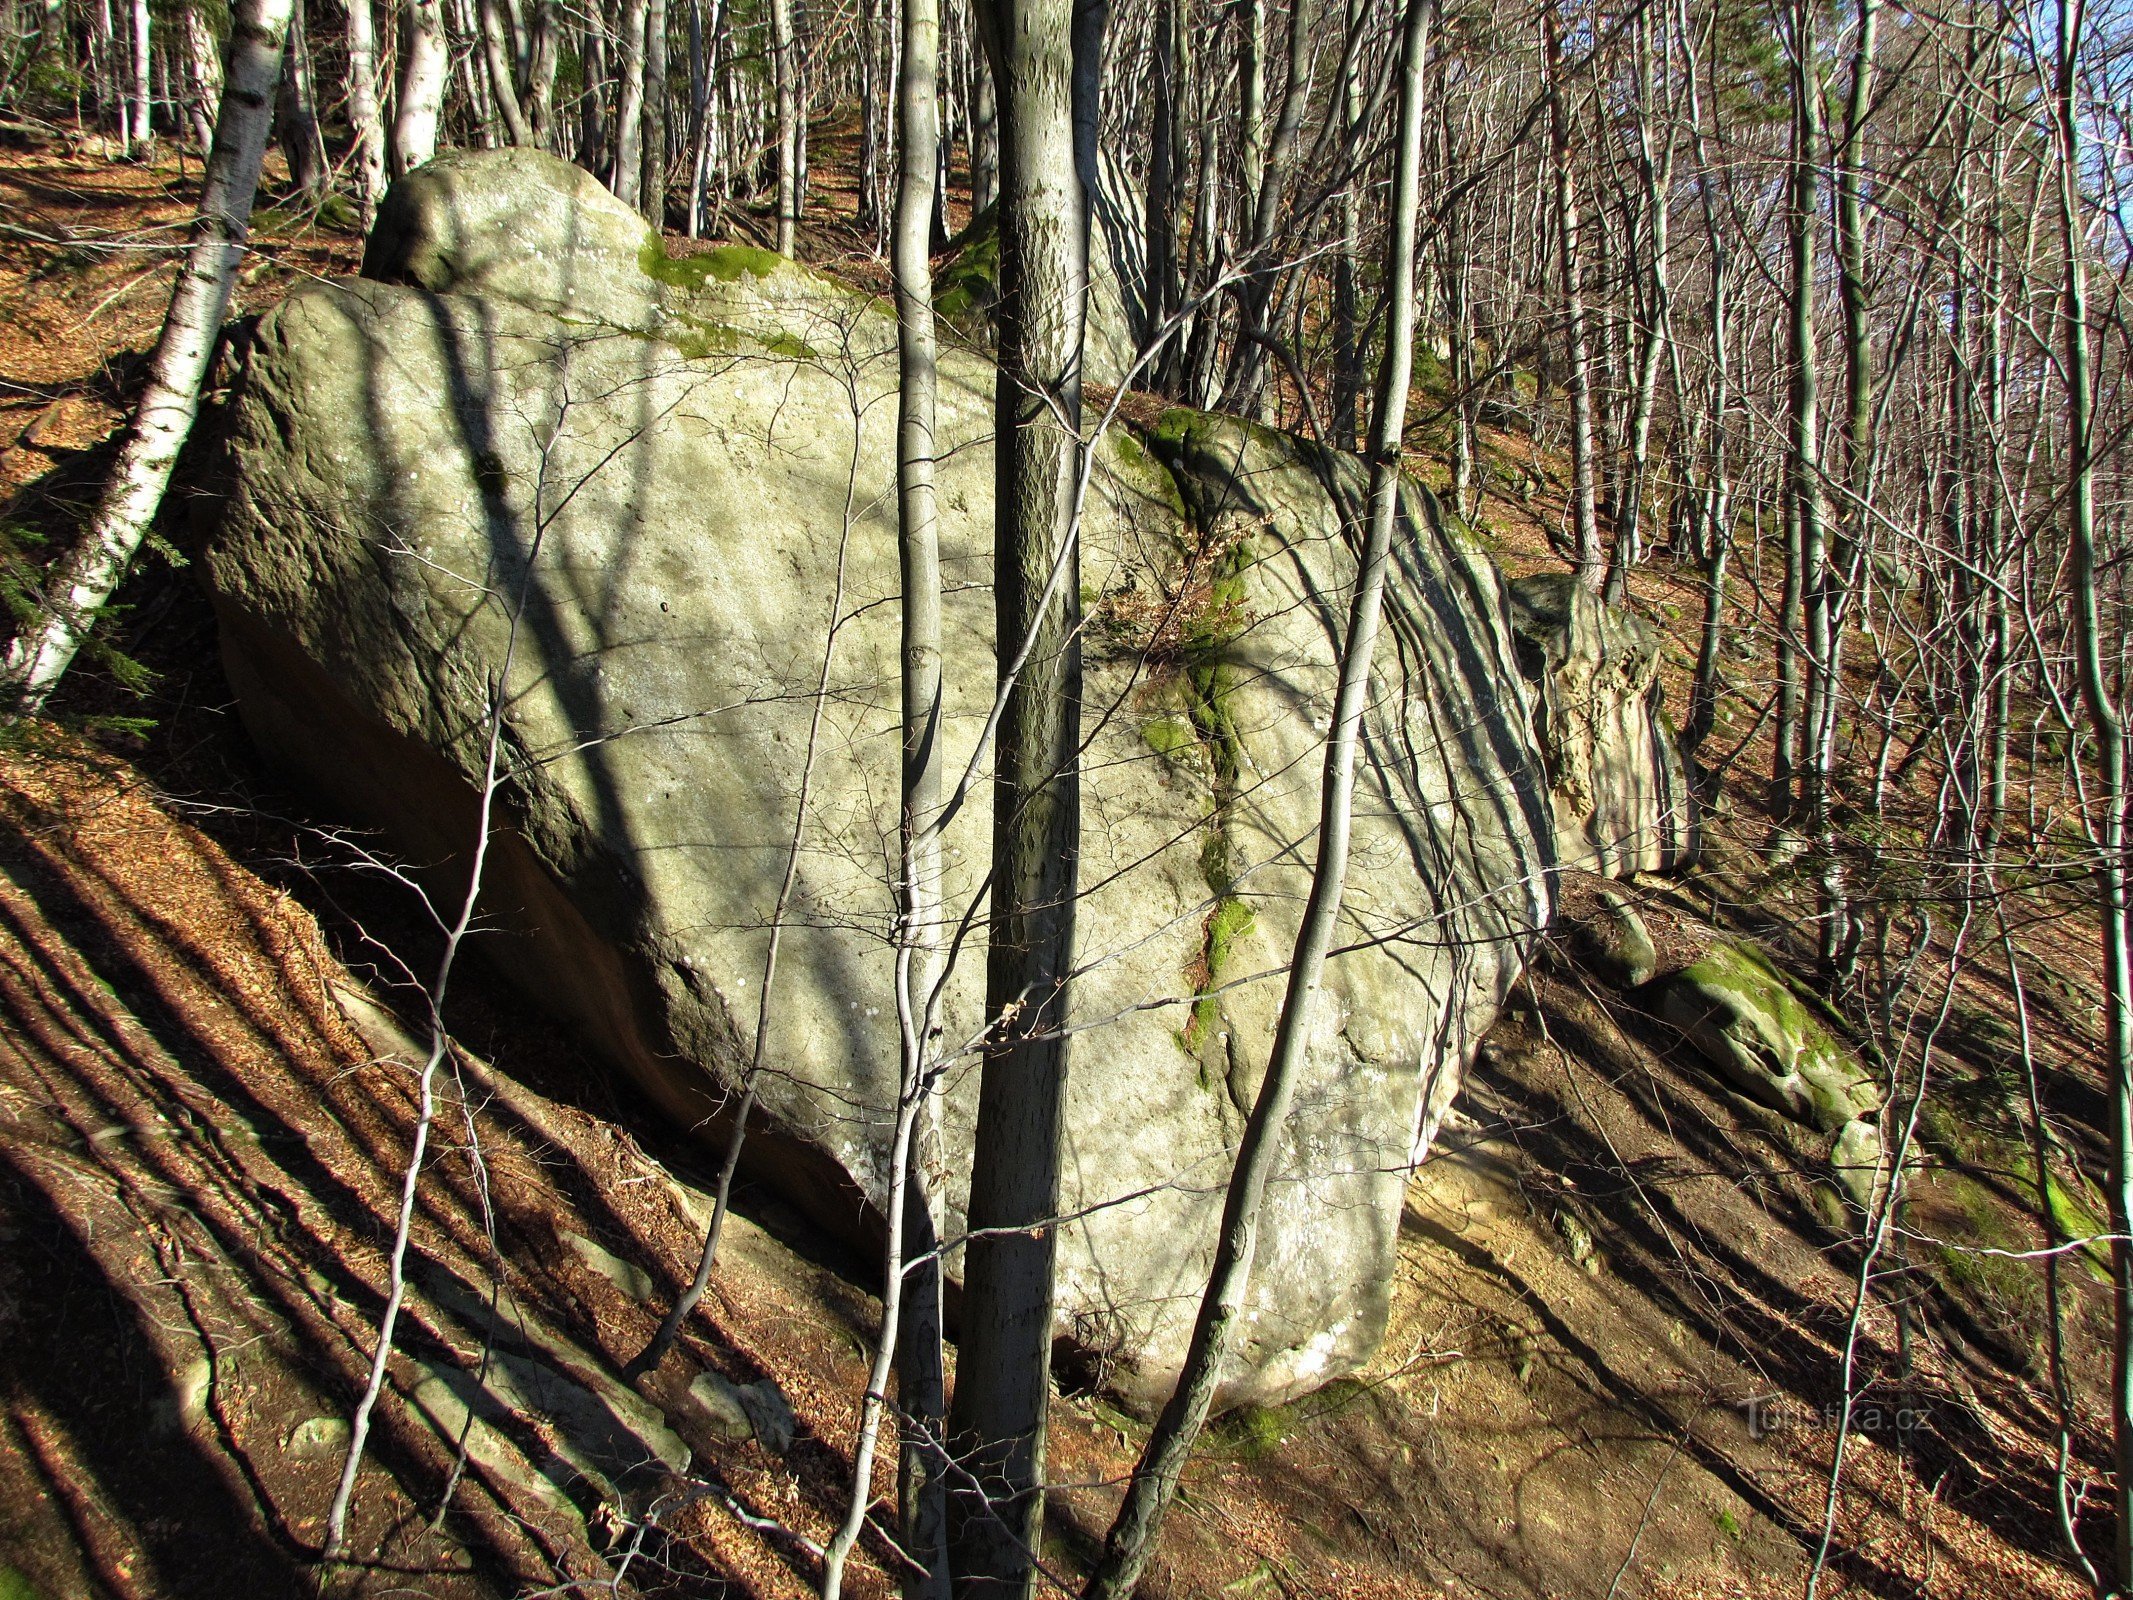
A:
531, 456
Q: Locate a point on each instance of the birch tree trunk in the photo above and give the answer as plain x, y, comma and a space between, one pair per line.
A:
1155, 1477
423, 69
785, 80
203, 61
81, 584
143, 116
366, 123
1042, 62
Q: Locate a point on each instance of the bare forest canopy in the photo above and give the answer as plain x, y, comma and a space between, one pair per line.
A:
1801, 328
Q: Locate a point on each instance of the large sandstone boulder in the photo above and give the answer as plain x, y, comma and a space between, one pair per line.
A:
642, 498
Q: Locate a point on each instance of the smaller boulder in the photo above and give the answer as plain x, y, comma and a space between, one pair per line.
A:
744, 1411
1612, 942
1742, 1015
1855, 1157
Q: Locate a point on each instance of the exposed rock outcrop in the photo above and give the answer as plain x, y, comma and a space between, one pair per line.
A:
637, 495
1622, 797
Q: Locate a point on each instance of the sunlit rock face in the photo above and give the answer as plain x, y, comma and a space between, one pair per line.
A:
649, 506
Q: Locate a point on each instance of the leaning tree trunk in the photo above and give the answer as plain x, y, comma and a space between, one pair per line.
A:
1162, 1462
423, 72
83, 581
499, 57
997, 1426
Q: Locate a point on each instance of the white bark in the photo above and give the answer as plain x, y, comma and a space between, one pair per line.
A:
785, 72
144, 128
365, 121
83, 581
203, 62
423, 71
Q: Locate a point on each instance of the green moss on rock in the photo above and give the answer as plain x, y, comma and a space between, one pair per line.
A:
729, 263
1742, 1014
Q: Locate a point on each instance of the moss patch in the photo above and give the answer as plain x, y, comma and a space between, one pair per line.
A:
1252, 1433
966, 289
729, 263
1230, 921
1171, 737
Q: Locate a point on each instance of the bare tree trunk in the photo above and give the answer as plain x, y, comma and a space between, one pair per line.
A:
1155, 1477
476, 91
1347, 348
1248, 359
1251, 92
1045, 65
497, 53
593, 122
652, 187
1165, 290
920, 1374
82, 582
911, 1305
1584, 509
984, 137
301, 144
785, 77
702, 63
365, 121
1806, 545
426, 61
1656, 172
203, 63
2107, 726
143, 118
544, 43
624, 175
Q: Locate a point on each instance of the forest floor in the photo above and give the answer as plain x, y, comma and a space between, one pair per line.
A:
1618, 1324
